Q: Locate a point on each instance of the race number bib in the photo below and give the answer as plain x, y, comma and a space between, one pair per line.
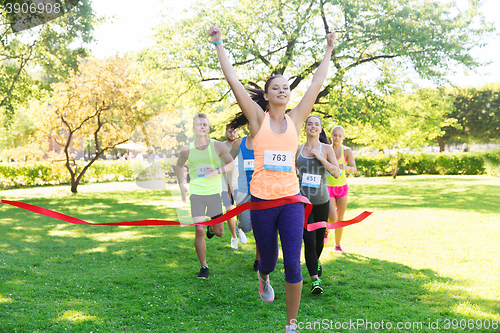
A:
200, 171
249, 165
276, 160
311, 180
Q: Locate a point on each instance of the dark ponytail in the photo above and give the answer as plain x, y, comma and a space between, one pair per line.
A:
323, 138
238, 120
257, 95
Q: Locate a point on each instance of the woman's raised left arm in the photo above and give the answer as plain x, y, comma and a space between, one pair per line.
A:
303, 109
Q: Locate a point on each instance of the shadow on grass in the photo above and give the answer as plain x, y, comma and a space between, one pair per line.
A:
370, 291
460, 194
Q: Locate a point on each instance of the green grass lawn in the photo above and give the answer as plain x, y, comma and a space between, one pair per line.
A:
428, 258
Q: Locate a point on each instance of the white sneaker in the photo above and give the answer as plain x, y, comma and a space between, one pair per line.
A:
234, 243
241, 236
265, 290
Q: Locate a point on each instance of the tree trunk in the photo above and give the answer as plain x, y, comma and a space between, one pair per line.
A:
395, 166
395, 170
75, 178
441, 145
74, 183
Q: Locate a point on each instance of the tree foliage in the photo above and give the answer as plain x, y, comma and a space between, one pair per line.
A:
104, 101
22, 141
413, 120
162, 133
54, 46
375, 40
477, 111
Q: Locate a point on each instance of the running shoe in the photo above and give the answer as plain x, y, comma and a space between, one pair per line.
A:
316, 287
256, 265
210, 234
338, 249
291, 329
265, 290
241, 236
234, 243
203, 274
320, 269
326, 237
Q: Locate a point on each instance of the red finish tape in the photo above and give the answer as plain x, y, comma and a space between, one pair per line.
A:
248, 205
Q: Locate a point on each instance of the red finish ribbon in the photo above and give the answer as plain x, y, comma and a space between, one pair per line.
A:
340, 224
222, 218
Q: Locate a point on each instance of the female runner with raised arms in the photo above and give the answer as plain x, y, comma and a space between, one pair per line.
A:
275, 137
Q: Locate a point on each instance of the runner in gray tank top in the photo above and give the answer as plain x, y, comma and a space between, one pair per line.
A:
314, 160
312, 177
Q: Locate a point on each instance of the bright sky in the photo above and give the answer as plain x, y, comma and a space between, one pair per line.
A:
134, 21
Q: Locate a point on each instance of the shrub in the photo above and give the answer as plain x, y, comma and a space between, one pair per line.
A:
432, 164
43, 173
373, 166
492, 159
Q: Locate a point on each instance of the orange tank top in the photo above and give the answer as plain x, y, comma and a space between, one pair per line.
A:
274, 174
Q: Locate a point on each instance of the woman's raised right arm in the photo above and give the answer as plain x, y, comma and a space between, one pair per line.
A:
250, 109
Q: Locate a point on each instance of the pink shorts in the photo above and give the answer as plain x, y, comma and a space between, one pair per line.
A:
338, 191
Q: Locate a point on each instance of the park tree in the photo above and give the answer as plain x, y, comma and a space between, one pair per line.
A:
23, 141
54, 46
413, 121
104, 101
173, 126
379, 42
162, 132
477, 112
